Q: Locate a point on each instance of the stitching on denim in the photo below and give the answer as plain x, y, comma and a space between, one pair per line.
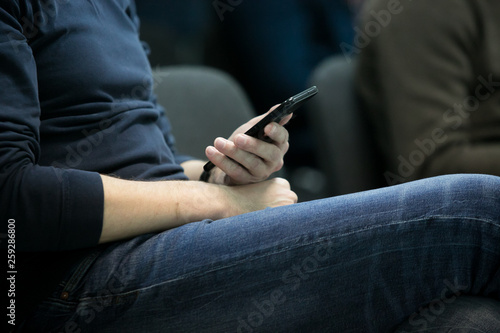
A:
79, 272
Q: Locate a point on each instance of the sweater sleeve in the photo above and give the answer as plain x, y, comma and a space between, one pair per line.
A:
54, 209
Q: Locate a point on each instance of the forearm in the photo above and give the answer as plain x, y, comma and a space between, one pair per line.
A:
133, 208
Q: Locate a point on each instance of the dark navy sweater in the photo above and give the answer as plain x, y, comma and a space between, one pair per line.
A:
75, 100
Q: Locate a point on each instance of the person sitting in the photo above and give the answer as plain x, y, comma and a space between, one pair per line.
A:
113, 230
429, 82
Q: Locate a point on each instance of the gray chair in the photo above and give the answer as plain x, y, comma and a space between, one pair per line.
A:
201, 103
350, 159
348, 155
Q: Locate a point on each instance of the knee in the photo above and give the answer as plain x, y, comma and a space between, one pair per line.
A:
460, 195
472, 186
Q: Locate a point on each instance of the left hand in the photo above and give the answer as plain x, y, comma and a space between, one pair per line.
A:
242, 159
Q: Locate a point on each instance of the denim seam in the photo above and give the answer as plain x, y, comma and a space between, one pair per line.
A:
80, 271
287, 248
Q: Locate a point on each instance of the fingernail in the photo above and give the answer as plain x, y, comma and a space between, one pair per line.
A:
220, 143
241, 140
210, 151
273, 129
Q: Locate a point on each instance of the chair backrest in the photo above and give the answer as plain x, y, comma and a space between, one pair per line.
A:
201, 103
347, 152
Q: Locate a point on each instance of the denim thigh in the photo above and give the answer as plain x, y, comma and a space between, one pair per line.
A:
455, 315
357, 263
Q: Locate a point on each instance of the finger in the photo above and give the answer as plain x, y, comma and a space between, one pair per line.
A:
276, 133
255, 120
262, 116
269, 155
251, 161
285, 120
237, 173
273, 108
282, 122
287, 196
277, 136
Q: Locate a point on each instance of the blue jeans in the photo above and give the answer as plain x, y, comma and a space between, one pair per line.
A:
364, 262
457, 315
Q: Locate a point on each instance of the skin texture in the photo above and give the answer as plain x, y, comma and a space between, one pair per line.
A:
236, 186
250, 160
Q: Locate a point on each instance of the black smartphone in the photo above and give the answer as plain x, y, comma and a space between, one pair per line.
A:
283, 110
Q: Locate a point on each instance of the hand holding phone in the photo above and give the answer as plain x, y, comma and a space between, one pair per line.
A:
283, 110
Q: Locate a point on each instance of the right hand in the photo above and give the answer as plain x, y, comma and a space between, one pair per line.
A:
242, 159
243, 199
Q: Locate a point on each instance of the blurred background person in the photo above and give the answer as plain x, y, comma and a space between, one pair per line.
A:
430, 81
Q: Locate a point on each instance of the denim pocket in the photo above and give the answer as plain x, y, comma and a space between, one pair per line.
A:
53, 313
69, 286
